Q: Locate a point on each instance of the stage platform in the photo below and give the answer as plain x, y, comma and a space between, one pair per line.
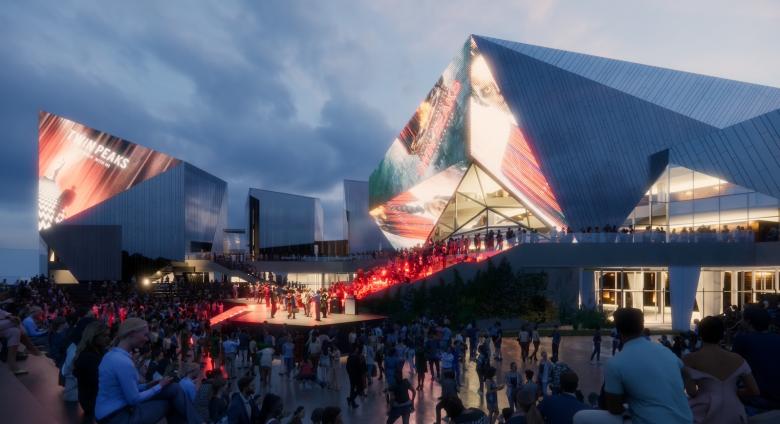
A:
245, 312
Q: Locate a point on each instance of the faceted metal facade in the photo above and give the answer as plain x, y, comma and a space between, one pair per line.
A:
593, 134
282, 219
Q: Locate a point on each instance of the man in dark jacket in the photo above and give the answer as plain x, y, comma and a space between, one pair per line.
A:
356, 370
243, 409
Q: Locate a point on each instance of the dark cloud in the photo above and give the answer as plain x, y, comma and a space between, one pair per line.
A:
208, 85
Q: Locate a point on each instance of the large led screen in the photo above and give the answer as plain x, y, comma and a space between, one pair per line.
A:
432, 140
408, 218
498, 144
79, 167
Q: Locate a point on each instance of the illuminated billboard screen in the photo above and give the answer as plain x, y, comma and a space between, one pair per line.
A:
79, 167
498, 144
407, 219
432, 140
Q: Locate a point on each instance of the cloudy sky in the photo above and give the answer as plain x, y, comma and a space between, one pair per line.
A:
298, 95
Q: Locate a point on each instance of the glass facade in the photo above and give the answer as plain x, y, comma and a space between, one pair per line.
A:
682, 198
648, 289
480, 203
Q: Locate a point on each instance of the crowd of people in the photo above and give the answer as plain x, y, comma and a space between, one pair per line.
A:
131, 357
650, 234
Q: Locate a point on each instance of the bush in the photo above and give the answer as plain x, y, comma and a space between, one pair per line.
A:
590, 319
496, 292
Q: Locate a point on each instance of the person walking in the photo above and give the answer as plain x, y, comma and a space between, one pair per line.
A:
556, 344
356, 371
535, 341
596, 345
524, 339
615, 341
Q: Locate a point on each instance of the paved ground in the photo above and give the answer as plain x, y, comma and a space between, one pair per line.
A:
575, 351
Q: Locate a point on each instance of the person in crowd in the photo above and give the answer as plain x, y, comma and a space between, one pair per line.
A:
716, 378
121, 400
12, 333
335, 368
204, 394
218, 404
420, 365
243, 347
243, 409
332, 415
229, 352
297, 416
497, 335
524, 338
527, 412
561, 408
760, 348
615, 341
288, 357
433, 356
645, 375
266, 362
491, 394
402, 397
545, 372
35, 327
356, 370
596, 345
272, 410
556, 344
306, 373
512, 381
94, 342
189, 374
535, 341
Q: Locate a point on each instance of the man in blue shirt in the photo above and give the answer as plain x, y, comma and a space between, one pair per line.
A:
645, 375
560, 408
121, 399
38, 335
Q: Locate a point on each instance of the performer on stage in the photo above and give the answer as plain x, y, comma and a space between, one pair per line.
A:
273, 302
316, 300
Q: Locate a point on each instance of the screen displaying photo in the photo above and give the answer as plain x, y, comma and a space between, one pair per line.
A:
79, 167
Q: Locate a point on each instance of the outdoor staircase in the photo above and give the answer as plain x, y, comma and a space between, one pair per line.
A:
203, 265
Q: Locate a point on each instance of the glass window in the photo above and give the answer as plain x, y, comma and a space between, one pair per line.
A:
680, 184
705, 211
747, 281
733, 209
608, 281
660, 190
470, 186
727, 188
726, 290
667, 293
704, 186
681, 213
765, 281
762, 206
649, 289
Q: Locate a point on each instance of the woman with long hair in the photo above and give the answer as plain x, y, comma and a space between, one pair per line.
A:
89, 352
